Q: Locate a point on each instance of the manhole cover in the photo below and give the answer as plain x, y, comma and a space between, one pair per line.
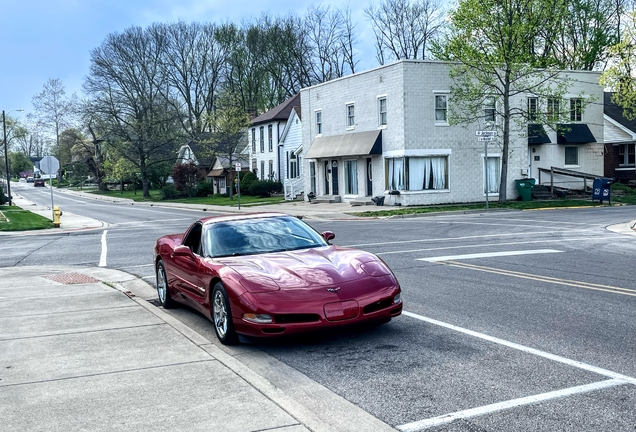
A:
72, 278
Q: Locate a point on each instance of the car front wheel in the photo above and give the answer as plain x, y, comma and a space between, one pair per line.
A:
222, 316
162, 287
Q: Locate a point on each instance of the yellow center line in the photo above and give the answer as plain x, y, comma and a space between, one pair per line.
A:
573, 283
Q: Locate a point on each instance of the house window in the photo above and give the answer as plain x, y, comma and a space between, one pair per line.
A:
489, 109
262, 169
382, 111
576, 109
351, 177
222, 184
262, 141
553, 109
270, 172
533, 108
571, 155
270, 138
351, 118
292, 167
312, 176
492, 174
318, 122
417, 173
626, 154
441, 109
253, 140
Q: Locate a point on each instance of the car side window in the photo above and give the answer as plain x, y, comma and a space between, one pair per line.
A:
193, 239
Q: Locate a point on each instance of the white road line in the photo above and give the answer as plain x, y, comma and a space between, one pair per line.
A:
487, 409
488, 255
137, 266
149, 277
102, 258
523, 348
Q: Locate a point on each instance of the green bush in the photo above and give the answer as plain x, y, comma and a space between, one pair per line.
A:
3, 198
246, 181
169, 192
265, 188
204, 189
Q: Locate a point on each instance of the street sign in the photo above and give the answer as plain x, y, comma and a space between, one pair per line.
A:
489, 133
49, 165
485, 138
238, 166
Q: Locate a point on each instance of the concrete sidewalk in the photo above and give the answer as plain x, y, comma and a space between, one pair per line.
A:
80, 351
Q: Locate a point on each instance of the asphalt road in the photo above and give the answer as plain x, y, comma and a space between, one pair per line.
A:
514, 321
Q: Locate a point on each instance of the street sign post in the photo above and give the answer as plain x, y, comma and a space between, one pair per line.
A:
50, 165
238, 183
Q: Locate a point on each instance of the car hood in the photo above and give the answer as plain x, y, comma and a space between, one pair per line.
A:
307, 268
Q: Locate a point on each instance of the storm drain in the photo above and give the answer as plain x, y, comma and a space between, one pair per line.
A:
72, 278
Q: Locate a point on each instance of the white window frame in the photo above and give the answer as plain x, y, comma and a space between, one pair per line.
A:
262, 170
553, 109
382, 112
253, 140
533, 108
350, 112
439, 96
318, 117
493, 189
565, 156
270, 137
262, 137
270, 169
624, 153
490, 109
351, 182
576, 109
406, 158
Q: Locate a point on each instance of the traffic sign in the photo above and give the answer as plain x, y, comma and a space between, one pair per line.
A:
238, 166
489, 133
485, 138
49, 165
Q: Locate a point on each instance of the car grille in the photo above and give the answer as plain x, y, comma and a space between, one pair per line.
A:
376, 306
296, 318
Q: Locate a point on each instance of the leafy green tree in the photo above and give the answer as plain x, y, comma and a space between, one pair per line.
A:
490, 45
19, 163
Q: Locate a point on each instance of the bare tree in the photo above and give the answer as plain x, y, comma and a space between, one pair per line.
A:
404, 28
127, 83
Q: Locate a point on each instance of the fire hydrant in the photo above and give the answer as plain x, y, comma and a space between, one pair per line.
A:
56, 216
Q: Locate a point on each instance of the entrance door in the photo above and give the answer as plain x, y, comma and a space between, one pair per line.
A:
529, 162
369, 177
327, 174
334, 177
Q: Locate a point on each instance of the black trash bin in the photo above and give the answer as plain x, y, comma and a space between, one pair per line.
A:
601, 189
378, 200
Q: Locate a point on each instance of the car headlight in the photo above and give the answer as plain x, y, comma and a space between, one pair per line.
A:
258, 318
375, 268
397, 299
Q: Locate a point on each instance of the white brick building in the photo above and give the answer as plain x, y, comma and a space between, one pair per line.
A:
385, 130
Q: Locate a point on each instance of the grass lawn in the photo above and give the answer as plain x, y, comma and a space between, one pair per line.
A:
15, 219
155, 196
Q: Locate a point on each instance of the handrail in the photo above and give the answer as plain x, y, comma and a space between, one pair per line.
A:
567, 172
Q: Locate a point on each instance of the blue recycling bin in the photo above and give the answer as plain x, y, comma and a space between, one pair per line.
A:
601, 189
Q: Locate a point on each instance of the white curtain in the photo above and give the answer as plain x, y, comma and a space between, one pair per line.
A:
352, 177
396, 174
418, 169
439, 172
493, 175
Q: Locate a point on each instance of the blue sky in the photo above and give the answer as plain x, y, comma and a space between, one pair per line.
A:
45, 39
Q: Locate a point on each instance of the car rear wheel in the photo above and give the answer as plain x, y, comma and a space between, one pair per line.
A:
162, 287
222, 316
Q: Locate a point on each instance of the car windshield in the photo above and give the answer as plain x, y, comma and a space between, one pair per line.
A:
258, 236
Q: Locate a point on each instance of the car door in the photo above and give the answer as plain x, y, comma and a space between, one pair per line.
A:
188, 269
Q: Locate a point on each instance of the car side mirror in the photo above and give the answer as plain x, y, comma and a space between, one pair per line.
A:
328, 235
183, 251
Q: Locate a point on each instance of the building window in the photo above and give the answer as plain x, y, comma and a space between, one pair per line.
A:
492, 174
533, 108
417, 173
351, 118
292, 165
253, 140
351, 177
222, 184
576, 109
553, 109
571, 155
318, 122
312, 177
382, 111
270, 137
441, 109
262, 169
270, 171
262, 141
626, 154
489, 109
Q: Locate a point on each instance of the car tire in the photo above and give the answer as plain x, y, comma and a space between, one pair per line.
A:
162, 286
222, 316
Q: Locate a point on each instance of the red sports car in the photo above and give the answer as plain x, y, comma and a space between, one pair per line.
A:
270, 274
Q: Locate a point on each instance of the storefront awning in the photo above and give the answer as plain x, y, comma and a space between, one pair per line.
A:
537, 135
351, 144
574, 133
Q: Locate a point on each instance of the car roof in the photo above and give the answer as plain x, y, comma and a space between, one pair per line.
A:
243, 216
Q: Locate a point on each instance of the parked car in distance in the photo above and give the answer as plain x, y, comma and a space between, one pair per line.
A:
22, 180
271, 274
30, 179
38, 182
